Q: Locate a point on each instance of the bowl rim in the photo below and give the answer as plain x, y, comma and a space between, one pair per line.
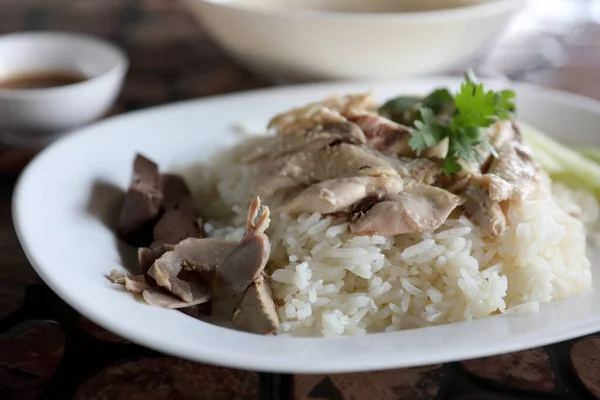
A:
478, 10
119, 67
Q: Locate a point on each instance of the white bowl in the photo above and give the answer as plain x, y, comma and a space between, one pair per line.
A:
297, 43
29, 116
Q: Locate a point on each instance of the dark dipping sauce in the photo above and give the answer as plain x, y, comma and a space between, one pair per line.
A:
41, 80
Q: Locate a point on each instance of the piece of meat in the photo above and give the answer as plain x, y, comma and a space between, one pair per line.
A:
360, 208
142, 203
116, 277
176, 194
247, 261
147, 255
498, 135
503, 132
482, 210
338, 194
329, 110
200, 255
390, 137
307, 140
516, 166
419, 208
175, 226
159, 298
136, 284
419, 170
133, 284
305, 168
314, 115
498, 189
383, 134
256, 312
483, 195
178, 220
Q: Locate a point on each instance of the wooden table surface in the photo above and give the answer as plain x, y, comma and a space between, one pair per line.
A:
49, 351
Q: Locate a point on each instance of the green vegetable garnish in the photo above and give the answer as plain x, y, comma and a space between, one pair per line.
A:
406, 109
562, 163
591, 153
460, 119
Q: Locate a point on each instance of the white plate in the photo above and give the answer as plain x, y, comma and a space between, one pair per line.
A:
64, 194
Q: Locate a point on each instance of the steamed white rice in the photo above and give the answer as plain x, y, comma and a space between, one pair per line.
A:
327, 281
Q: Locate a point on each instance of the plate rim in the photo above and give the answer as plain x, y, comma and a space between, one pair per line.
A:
585, 328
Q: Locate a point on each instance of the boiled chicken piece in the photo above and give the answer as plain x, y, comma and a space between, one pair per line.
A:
248, 260
497, 135
383, 134
482, 194
419, 170
312, 139
503, 132
338, 194
256, 312
498, 189
142, 204
318, 115
515, 165
329, 110
201, 255
390, 137
482, 210
419, 208
305, 168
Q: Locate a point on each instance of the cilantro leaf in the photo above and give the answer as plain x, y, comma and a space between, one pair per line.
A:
461, 119
461, 146
505, 105
474, 106
428, 133
451, 165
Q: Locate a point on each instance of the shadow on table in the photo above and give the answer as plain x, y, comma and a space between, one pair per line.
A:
105, 204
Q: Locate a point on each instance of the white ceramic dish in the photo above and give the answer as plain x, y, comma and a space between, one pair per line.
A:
307, 44
35, 116
66, 195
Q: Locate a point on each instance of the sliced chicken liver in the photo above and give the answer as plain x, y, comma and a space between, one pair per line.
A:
178, 221
142, 204
201, 255
256, 312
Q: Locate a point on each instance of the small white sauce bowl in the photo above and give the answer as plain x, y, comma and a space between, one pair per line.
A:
302, 41
36, 116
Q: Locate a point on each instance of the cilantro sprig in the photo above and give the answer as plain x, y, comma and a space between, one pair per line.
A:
460, 118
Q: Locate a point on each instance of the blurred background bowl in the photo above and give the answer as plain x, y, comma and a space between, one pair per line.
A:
303, 40
36, 116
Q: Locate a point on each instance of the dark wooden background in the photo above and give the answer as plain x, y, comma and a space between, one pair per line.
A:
49, 351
